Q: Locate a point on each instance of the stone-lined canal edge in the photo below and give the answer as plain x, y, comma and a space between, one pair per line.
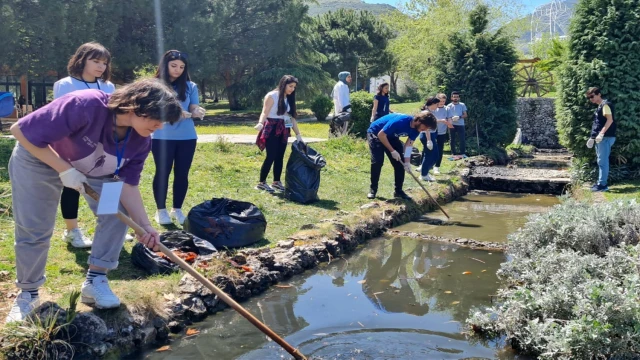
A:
133, 331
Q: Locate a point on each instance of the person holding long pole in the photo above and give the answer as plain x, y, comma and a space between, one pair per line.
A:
91, 138
383, 137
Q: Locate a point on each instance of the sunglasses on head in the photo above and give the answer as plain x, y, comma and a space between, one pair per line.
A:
178, 55
590, 97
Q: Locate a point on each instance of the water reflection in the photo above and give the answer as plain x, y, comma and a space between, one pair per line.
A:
398, 298
483, 217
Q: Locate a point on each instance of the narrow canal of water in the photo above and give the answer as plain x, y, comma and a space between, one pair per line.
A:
397, 298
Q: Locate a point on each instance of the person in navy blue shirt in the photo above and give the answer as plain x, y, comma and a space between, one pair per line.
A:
383, 137
380, 102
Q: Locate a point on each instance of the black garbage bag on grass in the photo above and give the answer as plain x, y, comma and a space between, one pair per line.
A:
416, 157
177, 241
303, 173
226, 223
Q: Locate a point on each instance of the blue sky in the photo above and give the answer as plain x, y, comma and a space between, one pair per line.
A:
528, 4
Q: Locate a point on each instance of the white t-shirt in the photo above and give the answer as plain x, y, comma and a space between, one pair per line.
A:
70, 84
273, 113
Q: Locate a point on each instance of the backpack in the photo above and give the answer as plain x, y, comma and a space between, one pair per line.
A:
7, 104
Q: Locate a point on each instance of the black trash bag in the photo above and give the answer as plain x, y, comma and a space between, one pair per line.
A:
303, 173
226, 223
416, 157
153, 263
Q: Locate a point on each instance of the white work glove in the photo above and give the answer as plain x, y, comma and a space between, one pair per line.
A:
73, 179
299, 138
396, 156
372, 119
455, 118
259, 126
407, 166
599, 138
198, 112
590, 143
430, 145
186, 115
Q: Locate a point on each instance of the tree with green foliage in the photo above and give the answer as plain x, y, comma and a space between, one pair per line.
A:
604, 51
422, 26
480, 64
353, 39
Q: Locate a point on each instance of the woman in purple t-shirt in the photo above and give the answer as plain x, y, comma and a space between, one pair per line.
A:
83, 137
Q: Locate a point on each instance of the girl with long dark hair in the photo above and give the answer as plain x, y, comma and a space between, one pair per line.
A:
277, 119
89, 68
380, 102
174, 145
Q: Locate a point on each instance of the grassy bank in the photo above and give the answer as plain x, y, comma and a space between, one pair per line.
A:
219, 170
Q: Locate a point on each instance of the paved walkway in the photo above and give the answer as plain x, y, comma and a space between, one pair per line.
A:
233, 138
246, 139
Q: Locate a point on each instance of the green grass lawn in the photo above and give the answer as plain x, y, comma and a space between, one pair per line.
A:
308, 129
222, 108
219, 170
407, 108
624, 191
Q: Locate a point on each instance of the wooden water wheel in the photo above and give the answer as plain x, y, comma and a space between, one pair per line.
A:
532, 80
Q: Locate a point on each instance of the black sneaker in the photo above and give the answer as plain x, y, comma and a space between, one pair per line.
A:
371, 194
277, 185
264, 187
402, 195
597, 188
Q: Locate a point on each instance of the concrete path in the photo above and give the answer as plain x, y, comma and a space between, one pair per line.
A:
233, 138
246, 139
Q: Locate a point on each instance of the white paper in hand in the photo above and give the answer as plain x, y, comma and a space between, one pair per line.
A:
110, 198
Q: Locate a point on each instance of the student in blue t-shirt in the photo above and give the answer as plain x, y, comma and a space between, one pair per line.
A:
431, 147
174, 145
380, 102
89, 68
383, 137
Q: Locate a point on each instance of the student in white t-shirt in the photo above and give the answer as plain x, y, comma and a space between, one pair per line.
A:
89, 68
276, 121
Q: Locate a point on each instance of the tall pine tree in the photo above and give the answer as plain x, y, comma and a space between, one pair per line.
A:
479, 64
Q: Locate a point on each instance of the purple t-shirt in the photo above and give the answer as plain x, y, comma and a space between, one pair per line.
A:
80, 128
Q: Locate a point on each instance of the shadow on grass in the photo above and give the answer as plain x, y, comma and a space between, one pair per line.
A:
630, 188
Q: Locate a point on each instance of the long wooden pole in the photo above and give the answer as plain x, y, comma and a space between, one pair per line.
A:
211, 286
425, 190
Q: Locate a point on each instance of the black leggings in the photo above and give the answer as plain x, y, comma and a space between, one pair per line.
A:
275, 148
168, 154
441, 140
69, 203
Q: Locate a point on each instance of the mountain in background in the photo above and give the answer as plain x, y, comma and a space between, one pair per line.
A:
324, 6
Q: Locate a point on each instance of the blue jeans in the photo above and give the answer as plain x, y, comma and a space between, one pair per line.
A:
603, 150
429, 157
458, 132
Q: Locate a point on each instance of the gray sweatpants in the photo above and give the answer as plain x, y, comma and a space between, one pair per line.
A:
36, 189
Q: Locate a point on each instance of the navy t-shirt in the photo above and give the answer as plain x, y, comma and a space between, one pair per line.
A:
383, 105
395, 124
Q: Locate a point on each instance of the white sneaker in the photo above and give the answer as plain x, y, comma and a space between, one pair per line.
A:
436, 170
22, 306
77, 238
428, 178
128, 237
419, 168
162, 217
177, 213
99, 294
